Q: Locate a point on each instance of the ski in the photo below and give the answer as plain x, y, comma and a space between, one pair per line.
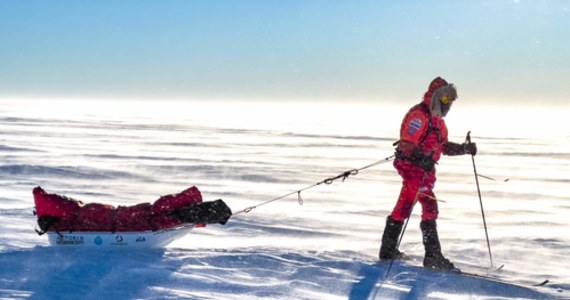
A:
542, 283
487, 277
486, 270
473, 273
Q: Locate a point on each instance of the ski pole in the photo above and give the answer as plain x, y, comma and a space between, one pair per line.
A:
468, 141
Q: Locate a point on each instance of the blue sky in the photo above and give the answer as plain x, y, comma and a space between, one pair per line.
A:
494, 51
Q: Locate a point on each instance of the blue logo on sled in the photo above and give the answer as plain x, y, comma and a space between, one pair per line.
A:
98, 241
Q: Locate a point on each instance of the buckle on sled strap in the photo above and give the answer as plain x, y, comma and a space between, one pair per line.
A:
45, 223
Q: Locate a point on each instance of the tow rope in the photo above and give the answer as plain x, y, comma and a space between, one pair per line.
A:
330, 180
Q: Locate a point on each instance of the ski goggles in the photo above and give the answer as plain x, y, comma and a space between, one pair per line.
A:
447, 100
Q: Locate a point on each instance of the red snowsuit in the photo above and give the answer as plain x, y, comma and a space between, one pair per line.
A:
420, 132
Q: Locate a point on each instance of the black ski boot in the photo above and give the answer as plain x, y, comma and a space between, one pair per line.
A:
388, 250
433, 258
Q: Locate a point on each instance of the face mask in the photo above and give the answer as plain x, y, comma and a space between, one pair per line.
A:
445, 105
442, 100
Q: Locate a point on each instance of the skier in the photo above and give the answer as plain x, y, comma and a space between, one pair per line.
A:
423, 138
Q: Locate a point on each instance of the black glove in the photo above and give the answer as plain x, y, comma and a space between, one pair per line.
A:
425, 162
470, 148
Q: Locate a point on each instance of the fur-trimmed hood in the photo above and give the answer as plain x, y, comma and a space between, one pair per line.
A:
439, 96
435, 84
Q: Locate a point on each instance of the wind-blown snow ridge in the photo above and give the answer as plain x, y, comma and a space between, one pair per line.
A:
232, 274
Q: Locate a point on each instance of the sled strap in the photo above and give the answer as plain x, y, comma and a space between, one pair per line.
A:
343, 175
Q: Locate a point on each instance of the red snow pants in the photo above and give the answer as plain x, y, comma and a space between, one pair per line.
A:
413, 177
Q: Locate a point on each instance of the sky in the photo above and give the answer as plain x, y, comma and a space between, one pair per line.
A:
267, 50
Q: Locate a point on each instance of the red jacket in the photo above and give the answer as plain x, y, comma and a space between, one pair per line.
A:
420, 131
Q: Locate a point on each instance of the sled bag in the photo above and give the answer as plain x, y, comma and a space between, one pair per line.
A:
55, 212
163, 207
209, 212
95, 217
133, 218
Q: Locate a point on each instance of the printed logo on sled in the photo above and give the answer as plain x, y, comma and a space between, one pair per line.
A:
70, 240
119, 241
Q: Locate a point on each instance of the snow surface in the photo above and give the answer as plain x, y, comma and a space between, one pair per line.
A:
124, 153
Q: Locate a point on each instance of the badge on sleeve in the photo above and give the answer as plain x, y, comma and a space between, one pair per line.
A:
415, 125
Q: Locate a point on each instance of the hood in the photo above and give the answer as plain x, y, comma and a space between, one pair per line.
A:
439, 97
435, 84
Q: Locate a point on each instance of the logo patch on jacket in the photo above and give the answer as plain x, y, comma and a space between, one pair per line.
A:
415, 125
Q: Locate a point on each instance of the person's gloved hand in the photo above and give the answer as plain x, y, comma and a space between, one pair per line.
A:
470, 148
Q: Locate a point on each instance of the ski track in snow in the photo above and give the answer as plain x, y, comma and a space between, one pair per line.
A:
324, 249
